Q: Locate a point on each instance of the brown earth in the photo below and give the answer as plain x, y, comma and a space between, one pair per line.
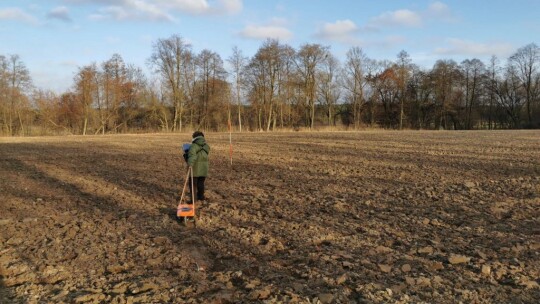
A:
370, 217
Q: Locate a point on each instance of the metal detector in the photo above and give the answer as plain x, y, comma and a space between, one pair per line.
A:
186, 210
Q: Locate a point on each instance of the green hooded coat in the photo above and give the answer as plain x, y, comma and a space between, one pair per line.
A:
198, 156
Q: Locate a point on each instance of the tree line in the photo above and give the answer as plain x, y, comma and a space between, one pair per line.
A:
278, 88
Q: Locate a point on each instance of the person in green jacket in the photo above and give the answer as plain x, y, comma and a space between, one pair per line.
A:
197, 158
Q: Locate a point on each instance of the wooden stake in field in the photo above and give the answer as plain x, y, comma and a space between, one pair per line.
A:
230, 138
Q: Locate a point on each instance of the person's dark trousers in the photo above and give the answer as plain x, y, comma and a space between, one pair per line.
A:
199, 187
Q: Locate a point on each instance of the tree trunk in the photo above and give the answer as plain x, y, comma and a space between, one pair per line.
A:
85, 124
175, 118
312, 115
269, 122
259, 122
20, 123
239, 117
281, 115
401, 115
10, 122
239, 106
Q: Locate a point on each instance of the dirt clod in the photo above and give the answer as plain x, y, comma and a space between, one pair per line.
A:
458, 259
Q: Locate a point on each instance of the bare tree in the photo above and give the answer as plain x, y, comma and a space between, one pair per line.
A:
526, 62
492, 72
421, 93
444, 75
385, 84
287, 83
309, 60
509, 96
264, 71
356, 70
69, 113
238, 63
211, 77
158, 114
4, 95
87, 90
472, 71
329, 90
403, 74
133, 92
15, 82
46, 103
189, 78
168, 60
114, 79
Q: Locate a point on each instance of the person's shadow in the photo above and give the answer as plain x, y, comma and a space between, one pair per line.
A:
170, 212
6, 296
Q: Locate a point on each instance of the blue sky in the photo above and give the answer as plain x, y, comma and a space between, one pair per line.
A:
55, 37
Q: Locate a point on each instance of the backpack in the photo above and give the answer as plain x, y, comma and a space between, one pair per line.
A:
186, 147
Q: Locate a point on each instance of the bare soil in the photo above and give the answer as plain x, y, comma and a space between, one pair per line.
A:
369, 217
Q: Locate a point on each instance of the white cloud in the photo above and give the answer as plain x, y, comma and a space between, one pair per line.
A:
110, 12
266, 31
202, 7
469, 48
440, 11
438, 8
60, 13
394, 40
232, 6
437, 11
147, 8
132, 10
106, 2
189, 6
159, 10
16, 14
402, 17
341, 31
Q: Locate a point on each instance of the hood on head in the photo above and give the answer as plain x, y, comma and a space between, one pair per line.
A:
199, 140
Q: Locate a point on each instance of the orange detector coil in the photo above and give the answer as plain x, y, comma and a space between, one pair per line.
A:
186, 210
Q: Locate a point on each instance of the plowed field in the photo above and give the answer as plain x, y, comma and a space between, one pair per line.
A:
369, 217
